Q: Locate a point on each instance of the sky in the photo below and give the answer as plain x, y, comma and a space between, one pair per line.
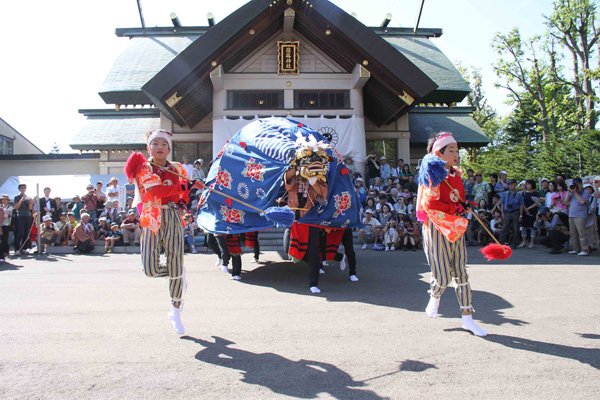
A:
56, 54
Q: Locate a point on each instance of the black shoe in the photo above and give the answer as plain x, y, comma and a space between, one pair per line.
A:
555, 252
76, 250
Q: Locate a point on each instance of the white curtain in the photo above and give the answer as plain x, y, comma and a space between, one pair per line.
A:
348, 134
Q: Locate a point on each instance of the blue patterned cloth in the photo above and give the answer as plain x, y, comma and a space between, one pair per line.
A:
251, 167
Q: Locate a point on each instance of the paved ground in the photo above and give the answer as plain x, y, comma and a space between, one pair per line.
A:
96, 327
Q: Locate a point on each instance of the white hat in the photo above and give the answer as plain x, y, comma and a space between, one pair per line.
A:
522, 183
597, 178
545, 179
503, 172
359, 179
587, 185
369, 211
46, 218
383, 158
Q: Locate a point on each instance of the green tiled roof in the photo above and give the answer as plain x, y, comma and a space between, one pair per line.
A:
429, 58
143, 58
424, 122
115, 130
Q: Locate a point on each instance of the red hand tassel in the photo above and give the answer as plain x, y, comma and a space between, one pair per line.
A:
134, 163
495, 251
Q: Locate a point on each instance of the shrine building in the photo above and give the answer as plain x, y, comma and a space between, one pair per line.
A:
375, 90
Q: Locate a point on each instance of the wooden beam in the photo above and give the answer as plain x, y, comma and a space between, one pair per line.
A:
289, 16
360, 76
217, 77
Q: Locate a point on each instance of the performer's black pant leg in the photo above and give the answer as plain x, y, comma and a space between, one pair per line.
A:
256, 247
312, 255
348, 243
236, 263
212, 243
224, 250
323, 244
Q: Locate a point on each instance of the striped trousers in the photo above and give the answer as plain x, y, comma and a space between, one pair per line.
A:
170, 237
447, 261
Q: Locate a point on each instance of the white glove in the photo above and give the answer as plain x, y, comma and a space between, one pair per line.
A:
312, 180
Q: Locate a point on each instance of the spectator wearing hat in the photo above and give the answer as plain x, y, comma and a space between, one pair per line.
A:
372, 169
385, 171
577, 201
131, 229
103, 229
47, 205
502, 185
350, 165
113, 238
198, 171
186, 164
90, 201
362, 192
544, 187
591, 228
110, 212
555, 225
112, 190
5, 223
50, 234
83, 236
371, 229
512, 212
377, 185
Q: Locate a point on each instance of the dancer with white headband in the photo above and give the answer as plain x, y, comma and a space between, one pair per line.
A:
441, 210
161, 191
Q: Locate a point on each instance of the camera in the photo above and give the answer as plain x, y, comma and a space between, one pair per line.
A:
573, 187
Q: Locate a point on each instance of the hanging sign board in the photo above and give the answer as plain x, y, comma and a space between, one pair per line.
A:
289, 59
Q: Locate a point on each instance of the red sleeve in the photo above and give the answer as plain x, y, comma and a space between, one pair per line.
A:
448, 208
165, 191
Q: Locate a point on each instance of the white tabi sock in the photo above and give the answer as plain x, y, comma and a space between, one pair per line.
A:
470, 325
432, 307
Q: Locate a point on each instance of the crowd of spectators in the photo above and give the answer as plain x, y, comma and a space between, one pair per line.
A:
86, 219
560, 215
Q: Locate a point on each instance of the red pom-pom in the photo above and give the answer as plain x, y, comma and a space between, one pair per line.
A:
228, 202
134, 164
300, 125
243, 144
495, 251
344, 171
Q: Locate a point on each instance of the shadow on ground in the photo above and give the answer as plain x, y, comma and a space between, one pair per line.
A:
380, 284
584, 355
303, 379
9, 266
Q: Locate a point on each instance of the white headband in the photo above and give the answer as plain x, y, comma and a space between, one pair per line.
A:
159, 133
442, 142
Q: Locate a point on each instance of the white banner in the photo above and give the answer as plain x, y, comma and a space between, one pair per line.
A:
347, 134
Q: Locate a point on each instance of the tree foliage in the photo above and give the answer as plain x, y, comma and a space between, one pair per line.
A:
550, 80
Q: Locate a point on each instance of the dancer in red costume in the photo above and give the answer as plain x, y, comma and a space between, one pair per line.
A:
441, 209
160, 191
